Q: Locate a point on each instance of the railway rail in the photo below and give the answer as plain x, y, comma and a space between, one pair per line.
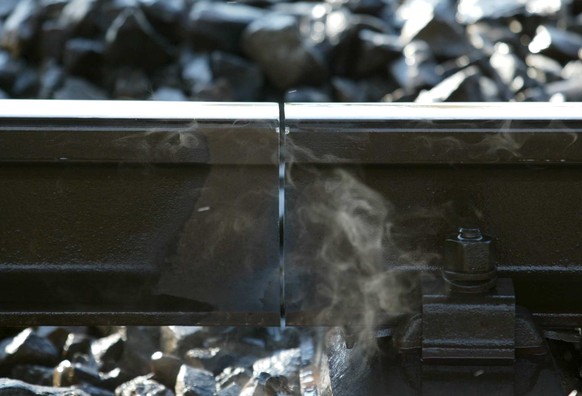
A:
306, 214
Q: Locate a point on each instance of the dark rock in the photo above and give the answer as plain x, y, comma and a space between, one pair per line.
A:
285, 363
417, 68
29, 348
131, 84
307, 94
372, 7
471, 11
376, 51
166, 17
245, 78
67, 374
9, 70
26, 84
52, 40
55, 334
21, 27
77, 88
52, 9
165, 368
81, 18
176, 340
4, 95
93, 390
168, 94
6, 7
346, 90
107, 351
219, 26
195, 382
556, 43
211, 359
84, 57
462, 86
375, 88
51, 79
275, 43
140, 343
219, 90
131, 40
143, 385
169, 76
114, 378
233, 375
231, 390
32, 374
435, 24
76, 344
11, 387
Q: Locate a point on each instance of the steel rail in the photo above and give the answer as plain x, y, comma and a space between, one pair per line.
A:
151, 213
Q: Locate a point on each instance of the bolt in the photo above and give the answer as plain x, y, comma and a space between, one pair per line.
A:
467, 267
473, 234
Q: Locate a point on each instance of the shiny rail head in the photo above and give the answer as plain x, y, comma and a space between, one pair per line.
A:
139, 132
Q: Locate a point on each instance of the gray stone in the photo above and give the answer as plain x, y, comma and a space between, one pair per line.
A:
471, 11
107, 351
462, 86
143, 385
233, 376
275, 43
176, 340
417, 68
346, 90
76, 344
77, 88
435, 24
21, 27
212, 359
12, 387
131, 83
168, 94
307, 94
542, 68
9, 70
195, 382
81, 18
196, 74
140, 343
26, 84
67, 374
51, 79
6, 7
556, 43
231, 390
282, 363
219, 26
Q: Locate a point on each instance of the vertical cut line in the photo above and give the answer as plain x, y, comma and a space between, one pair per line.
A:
282, 169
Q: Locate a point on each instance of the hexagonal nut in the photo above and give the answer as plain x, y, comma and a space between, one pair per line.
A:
468, 256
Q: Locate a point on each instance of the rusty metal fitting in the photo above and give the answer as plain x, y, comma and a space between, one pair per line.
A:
468, 267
